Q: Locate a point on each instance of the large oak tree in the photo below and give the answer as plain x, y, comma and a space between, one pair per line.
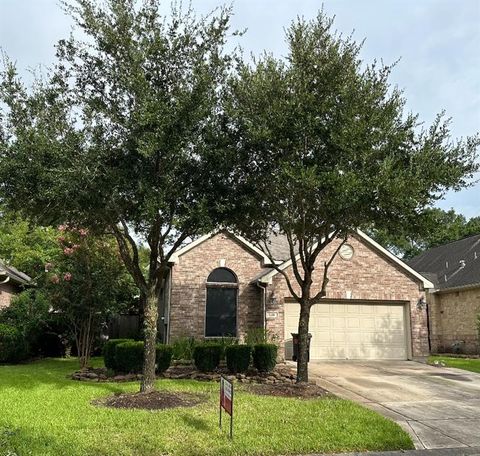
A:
324, 145
120, 135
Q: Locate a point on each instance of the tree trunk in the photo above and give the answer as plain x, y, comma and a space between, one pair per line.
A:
85, 339
150, 338
302, 361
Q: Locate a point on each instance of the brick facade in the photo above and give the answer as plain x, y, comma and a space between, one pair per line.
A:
188, 290
367, 276
453, 317
7, 291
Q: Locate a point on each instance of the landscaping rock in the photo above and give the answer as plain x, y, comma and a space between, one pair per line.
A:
281, 375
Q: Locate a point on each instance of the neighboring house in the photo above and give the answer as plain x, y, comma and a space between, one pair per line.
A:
12, 282
221, 285
454, 303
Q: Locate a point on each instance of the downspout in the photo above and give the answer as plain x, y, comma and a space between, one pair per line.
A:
427, 310
167, 305
263, 287
7, 279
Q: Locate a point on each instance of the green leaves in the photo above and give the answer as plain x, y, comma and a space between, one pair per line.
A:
324, 143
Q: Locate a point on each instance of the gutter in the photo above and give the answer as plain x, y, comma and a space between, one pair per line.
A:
470, 286
263, 287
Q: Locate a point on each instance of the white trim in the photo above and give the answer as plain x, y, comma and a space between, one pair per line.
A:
267, 278
426, 283
190, 246
253, 248
174, 258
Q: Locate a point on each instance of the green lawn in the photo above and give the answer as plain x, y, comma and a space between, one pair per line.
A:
469, 364
44, 413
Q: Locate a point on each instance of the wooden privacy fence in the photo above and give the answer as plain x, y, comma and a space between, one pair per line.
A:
123, 327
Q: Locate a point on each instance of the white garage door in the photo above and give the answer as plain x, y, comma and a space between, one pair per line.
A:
351, 330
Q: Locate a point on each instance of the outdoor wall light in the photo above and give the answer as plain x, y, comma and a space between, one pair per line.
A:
421, 303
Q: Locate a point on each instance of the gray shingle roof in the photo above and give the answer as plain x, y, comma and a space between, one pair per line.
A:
278, 245
456, 264
14, 274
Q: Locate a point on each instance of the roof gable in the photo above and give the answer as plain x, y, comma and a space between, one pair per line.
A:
280, 249
248, 245
267, 278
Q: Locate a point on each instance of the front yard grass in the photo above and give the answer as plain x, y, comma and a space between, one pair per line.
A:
469, 364
45, 413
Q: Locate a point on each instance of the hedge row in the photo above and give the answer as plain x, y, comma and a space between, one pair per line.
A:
207, 357
126, 355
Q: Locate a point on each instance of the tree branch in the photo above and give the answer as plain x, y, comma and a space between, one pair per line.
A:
268, 252
125, 241
323, 290
296, 272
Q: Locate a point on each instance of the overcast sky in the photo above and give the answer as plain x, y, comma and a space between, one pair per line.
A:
438, 42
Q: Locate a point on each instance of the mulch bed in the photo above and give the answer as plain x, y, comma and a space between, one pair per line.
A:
155, 400
301, 391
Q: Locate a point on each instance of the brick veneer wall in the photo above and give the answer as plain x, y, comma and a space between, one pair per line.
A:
7, 290
453, 317
189, 275
367, 276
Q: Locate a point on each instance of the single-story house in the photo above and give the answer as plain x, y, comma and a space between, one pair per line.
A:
12, 281
222, 285
454, 302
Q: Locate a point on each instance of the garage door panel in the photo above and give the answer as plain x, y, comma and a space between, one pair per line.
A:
353, 322
352, 330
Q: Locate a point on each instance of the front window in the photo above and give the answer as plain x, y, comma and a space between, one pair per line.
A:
221, 306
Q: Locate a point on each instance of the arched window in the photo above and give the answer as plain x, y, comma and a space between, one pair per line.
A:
221, 306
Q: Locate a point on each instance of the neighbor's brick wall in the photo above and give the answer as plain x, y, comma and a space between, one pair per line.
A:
453, 319
367, 276
187, 306
7, 290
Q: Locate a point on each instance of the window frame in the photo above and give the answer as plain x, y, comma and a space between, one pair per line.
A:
229, 285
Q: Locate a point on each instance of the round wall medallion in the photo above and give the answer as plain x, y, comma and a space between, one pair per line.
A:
346, 251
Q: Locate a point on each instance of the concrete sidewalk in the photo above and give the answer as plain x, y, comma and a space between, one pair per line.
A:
437, 452
438, 407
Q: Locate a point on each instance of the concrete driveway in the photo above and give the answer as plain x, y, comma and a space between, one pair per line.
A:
439, 407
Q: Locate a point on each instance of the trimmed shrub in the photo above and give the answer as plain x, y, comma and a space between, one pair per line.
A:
238, 357
163, 357
226, 342
265, 357
129, 356
207, 356
109, 352
183, 348
13, 347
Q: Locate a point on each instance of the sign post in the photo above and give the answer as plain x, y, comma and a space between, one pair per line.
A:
226, 401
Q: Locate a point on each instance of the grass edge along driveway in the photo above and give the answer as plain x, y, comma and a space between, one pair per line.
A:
45, 413
468, 364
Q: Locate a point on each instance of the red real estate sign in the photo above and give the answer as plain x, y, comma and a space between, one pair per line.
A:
226, 390
226, 401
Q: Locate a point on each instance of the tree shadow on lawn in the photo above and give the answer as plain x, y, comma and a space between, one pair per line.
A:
50, 372
20, 441
198, 424
16, 441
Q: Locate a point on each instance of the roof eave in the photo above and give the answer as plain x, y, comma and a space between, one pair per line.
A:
427, 284
469, 286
